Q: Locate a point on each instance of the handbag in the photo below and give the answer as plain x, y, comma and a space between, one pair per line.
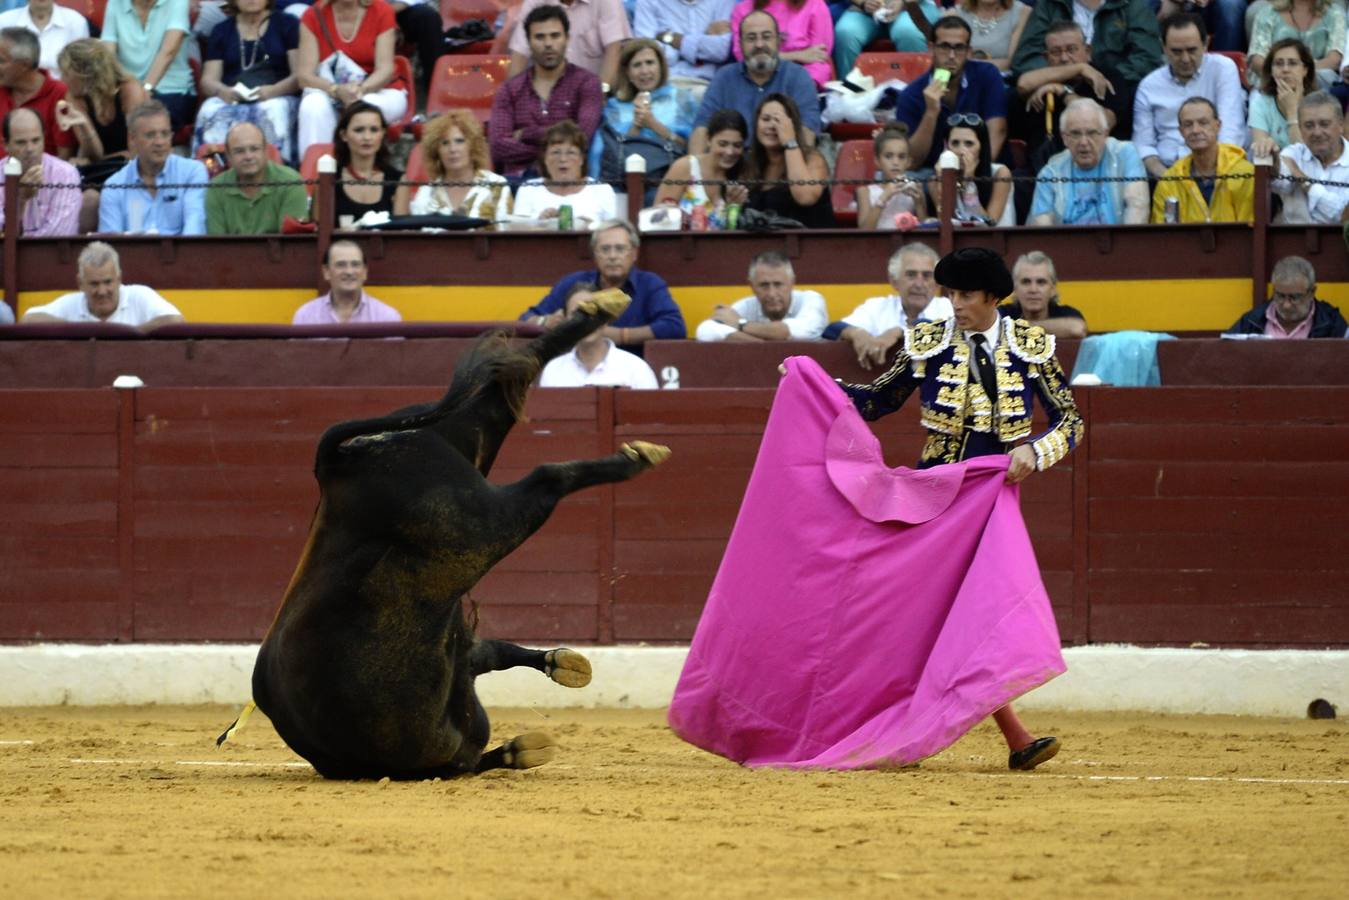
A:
337, 68
659, 155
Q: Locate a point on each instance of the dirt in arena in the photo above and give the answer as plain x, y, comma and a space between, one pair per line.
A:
139, 802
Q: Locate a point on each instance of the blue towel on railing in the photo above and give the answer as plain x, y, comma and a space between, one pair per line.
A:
1122, 358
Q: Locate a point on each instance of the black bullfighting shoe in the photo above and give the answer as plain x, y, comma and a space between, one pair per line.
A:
1034, 753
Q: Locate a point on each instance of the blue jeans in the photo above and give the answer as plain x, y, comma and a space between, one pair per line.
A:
854, 30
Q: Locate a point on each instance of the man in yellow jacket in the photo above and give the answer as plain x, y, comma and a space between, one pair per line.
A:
1205, 190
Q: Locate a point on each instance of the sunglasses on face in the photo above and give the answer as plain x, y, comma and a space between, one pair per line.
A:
966, 120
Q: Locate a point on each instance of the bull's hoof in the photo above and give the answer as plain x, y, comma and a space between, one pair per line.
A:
567, 667
527, 751
609, 302
652, 454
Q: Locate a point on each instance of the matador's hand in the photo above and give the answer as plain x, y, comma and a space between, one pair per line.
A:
1022, 464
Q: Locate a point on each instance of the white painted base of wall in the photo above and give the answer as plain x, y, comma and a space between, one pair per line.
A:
1101, 678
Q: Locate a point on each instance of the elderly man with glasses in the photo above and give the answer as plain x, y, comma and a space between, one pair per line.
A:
652, 315
1293, 311
1097, 180
966, 86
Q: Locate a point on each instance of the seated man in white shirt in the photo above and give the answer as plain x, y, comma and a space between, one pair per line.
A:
596, 360
878, 324
54, 25
103, 298
775, 312
1323, 155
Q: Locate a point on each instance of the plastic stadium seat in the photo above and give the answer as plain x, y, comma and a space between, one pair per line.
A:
1239, 58
416, 166
466, 81
402, 67
856, 160
456, 12
309, 166
93, 10
889, 66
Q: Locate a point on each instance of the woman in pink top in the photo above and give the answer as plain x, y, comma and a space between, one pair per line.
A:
806, 29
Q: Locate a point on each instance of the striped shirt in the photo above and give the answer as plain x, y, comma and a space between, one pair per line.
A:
54, 211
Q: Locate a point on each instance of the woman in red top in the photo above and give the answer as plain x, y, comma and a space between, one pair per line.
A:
346, 55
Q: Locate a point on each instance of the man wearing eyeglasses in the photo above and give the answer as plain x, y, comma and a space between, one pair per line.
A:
931, 106
1097, 180
1293, 311
1190, 71
652, 314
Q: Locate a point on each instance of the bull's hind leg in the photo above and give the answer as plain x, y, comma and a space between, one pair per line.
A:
524, 751
566, 667
601, 309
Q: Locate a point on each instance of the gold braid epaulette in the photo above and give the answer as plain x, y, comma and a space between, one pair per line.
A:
926, 339
1028, 342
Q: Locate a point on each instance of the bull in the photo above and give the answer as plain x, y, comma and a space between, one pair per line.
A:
368, 670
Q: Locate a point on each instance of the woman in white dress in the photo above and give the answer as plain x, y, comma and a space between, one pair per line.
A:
460, 168
715, 173
562, 161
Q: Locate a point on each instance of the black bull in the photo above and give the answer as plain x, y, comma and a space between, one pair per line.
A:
368, 670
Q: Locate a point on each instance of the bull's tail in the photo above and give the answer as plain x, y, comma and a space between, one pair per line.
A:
238, 725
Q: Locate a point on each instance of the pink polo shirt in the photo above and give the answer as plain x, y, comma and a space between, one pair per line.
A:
319, 311
1274, 328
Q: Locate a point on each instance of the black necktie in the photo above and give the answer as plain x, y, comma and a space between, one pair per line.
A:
987, 375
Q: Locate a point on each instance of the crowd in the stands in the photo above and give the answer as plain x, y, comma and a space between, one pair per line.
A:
1052, 113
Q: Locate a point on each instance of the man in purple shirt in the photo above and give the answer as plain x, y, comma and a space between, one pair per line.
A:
49, 188
546, 93
346, 301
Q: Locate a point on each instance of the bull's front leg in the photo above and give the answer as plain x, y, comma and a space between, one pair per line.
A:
566, 667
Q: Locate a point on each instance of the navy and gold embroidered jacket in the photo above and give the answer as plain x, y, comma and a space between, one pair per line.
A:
957, 412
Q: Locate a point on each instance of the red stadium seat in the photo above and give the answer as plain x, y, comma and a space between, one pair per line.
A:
93, 10
857, 161
1239, 58
416, 166
309, 166
402, 67
457, 12
889, 66
466, 81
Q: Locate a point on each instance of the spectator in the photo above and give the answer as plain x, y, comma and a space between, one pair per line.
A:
1067, 77
905, 22
777, 156
252, 50
805, 33
54, 25
1189, 72
983, 187
103, 298
976, 87
996, 28
1122, 35
1293, 311
1035, 298
1323, 35
715, 174
346, 301
595, 360
564, 183
1289, 75
49, 188
367, 180
1217, 180
133, 200
877, 325
695, 36
776, 311
460, 168
742, 86
25, 86
1323, 156
551, 90
897, 192
420, 25
600, 26
101, 95
1067, 191
254, 195
652, 315
1224, 19
6, 314
646, 107
150, 37
337, 71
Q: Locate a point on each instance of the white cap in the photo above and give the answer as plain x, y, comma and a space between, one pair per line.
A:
327, 164
127, 382
948, 160
635, 163
13, 166
1087, 379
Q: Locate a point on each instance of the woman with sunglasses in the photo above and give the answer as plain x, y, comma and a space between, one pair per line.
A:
778, 156
983, 187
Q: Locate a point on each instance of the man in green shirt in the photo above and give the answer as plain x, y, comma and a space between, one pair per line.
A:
244, 199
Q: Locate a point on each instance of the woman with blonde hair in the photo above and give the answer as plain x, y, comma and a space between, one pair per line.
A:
995, 29
459, 164
99, 94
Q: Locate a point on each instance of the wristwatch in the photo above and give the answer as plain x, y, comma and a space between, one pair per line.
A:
743, 323
790, 145
666, 37
149, 87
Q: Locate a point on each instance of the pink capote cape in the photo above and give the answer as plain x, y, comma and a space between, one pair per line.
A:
862, 616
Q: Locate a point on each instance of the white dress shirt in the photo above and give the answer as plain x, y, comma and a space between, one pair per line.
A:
136, 305
806, 318
879, 314
64, 26
1157, 104
1319, 203
619, 368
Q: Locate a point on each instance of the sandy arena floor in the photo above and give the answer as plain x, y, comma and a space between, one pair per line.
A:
138, 802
